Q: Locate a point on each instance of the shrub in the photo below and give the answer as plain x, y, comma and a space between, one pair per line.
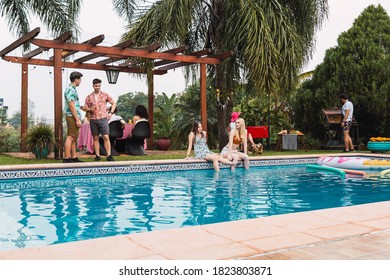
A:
40, 140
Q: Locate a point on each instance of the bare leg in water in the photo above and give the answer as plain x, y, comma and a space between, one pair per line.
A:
216, 159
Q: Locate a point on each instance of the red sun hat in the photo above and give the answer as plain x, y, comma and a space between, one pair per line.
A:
235, 116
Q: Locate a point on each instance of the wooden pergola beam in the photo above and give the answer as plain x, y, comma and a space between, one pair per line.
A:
197, 53
91, 42
32, 34
174, 65
88, 66
221, 55
163, 62
149, 48
121, 45
126, 63
176, 50
126, 53
152, 47
62, 38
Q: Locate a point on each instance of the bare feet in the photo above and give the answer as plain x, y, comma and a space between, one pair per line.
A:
233, 165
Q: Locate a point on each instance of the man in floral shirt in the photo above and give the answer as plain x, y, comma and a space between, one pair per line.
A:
96, 104
73, 117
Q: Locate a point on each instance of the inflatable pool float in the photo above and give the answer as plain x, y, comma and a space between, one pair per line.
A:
337, 171
356, 163
355, 172
385, 173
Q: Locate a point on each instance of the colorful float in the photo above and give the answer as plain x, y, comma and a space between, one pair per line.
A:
337, 171
385, 173
354, 163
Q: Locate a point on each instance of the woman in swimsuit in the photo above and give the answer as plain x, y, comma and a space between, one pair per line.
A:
197, 138
237, 136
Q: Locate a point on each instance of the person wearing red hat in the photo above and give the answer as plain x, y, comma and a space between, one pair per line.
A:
237, 136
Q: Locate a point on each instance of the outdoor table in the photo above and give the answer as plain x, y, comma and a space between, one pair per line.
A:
279, 143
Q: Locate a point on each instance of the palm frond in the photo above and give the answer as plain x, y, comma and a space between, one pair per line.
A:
16, 15
125, 8
55, 14
167, 22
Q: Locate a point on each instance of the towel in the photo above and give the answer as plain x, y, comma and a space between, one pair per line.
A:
290, 141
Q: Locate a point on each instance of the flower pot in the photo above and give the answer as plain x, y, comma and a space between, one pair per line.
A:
41, 153
163, 143
379, 146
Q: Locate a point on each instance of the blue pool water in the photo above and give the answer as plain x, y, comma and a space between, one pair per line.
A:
48, 211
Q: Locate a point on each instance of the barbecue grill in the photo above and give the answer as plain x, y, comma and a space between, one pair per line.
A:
334, 135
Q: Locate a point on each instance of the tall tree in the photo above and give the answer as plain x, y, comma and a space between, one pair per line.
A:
358, 66
16, 118
270, 39
127, 102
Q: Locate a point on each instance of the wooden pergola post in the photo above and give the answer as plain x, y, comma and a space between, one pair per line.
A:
59, 147
24, 109
203, 97
150, 78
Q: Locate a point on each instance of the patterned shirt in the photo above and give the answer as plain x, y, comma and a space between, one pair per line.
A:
100, 103
72, 95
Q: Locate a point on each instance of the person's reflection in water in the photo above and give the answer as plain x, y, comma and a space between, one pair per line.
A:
142, 198
96, 217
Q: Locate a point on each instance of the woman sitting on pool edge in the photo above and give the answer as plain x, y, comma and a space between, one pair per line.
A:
197, 137
237, 136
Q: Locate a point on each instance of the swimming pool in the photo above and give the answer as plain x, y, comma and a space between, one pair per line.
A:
56, 210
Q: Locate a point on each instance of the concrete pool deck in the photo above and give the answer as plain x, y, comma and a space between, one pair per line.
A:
354, 232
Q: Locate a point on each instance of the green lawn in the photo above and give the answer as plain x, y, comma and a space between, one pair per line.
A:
9, 160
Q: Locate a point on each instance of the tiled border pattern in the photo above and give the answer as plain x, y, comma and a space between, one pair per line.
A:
133, 168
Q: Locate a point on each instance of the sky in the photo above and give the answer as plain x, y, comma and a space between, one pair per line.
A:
94, 21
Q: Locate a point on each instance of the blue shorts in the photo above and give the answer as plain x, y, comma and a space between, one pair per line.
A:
347, 125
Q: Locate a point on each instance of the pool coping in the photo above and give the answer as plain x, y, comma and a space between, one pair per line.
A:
261, 238
105, 168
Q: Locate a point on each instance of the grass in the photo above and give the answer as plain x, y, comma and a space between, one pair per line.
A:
10, 160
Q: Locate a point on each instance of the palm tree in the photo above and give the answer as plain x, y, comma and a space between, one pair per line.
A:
58, 15
271, 39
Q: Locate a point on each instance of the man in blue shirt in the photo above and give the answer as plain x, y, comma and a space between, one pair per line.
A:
73, 117
347, 111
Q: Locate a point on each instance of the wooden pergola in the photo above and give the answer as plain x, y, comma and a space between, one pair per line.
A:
119, 54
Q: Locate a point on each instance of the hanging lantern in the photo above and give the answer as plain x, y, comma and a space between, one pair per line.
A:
112, 75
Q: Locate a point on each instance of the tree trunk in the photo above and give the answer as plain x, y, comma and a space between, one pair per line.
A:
221, 108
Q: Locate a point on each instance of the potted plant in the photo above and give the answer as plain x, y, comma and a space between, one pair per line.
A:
164, 120
40, 140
